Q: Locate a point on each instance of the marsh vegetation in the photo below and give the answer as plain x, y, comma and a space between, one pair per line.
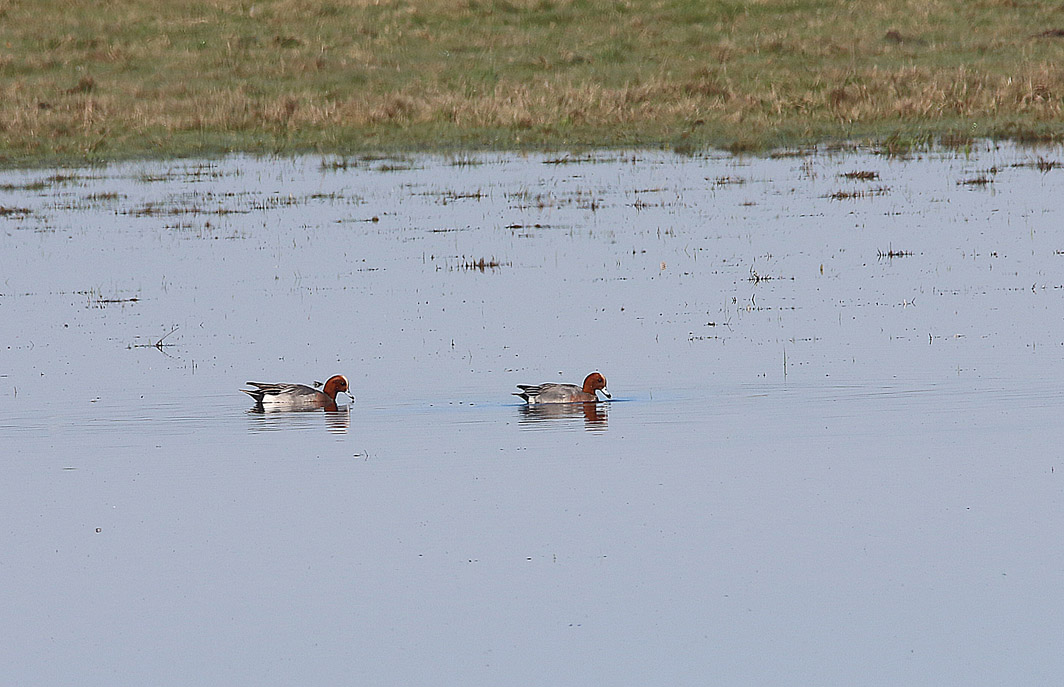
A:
87, 81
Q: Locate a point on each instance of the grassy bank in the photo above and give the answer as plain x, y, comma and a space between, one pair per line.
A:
100, 80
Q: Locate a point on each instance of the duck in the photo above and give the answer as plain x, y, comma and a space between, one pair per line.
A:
565, 393
298, 396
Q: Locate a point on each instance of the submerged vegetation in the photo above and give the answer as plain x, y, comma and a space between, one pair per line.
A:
88, 80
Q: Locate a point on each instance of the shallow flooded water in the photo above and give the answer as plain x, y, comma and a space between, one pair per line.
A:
830, 459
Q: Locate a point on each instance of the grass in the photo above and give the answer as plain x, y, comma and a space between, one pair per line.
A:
97, 81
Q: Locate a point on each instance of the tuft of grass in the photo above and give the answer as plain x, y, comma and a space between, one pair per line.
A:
981, 180
482, 265
88, 82
1042, 164
862, 175
863, 193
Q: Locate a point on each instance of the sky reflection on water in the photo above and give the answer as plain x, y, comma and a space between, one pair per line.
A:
830, 458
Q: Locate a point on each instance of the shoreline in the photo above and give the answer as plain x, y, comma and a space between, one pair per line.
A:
1040, 155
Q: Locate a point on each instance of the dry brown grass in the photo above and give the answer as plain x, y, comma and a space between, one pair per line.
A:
98, 80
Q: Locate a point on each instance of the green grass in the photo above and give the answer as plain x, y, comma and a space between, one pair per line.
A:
85, 81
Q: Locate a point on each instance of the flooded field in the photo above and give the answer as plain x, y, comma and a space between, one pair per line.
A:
830, 457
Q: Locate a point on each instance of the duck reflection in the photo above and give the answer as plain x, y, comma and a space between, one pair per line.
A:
337, 419
266, 419
595, 415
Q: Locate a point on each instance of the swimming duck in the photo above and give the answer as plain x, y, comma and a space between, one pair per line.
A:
565, 393
298, 396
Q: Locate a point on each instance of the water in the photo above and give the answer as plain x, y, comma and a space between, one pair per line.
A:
831, 456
